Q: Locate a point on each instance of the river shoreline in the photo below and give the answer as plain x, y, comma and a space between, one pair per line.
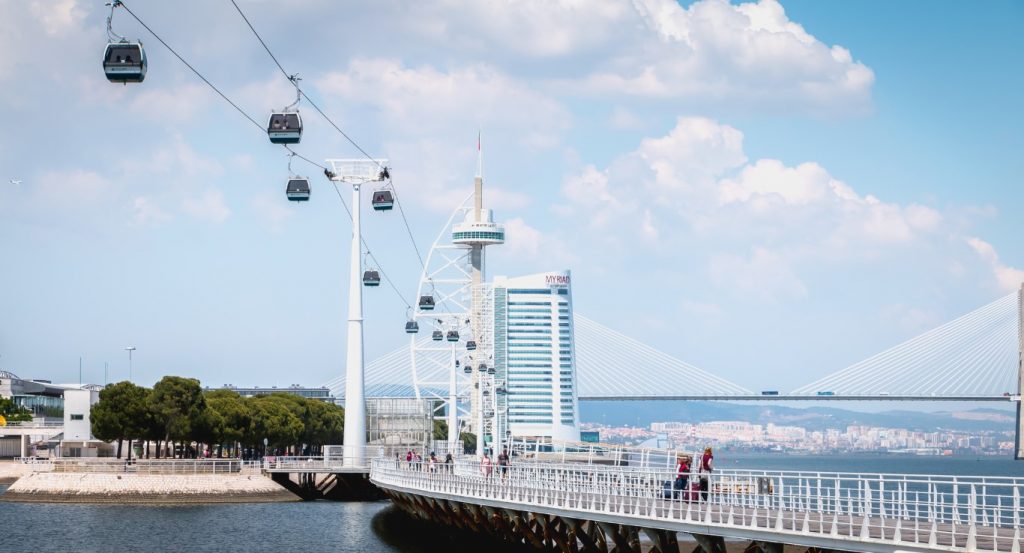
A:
162, 489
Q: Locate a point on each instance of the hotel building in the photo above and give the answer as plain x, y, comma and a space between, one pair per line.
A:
534, 354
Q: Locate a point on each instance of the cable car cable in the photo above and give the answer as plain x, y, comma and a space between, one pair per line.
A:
369, 252
194, 70
351, 141
260, 127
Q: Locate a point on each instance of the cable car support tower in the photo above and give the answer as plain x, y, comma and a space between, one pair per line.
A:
355, 172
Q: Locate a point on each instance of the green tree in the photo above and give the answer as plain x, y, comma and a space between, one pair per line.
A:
13, 412
235, 414
272, 419
468, 442
179, 402
120, 414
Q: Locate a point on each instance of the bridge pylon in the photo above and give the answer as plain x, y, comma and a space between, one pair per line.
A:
1019, 444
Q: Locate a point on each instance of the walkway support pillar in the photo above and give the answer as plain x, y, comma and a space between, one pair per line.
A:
1019, 449
711, 544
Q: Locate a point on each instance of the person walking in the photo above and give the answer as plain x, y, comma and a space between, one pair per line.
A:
706, 467
682, 483
448, 462
503, 463
485, 465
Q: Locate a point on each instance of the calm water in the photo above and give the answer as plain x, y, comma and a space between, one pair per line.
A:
324, 526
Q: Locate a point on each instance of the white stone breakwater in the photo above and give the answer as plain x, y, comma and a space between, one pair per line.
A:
53, 487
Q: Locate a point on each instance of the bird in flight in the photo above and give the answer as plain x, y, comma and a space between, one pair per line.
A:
15, 182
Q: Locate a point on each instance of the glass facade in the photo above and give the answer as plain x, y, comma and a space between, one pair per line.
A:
534, 351
479, 235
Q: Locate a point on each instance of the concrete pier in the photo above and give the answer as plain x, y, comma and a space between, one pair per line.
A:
57, 487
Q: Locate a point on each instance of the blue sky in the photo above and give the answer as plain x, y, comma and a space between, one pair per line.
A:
769, 191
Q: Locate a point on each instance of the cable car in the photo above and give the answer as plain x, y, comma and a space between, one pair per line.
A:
427, 303
487, 392
491, 370
482, 368
297, 189
468, 370
285, 127
470, 345
383, 200
124, 62
371, 278
500, 391
453, 336
412, 327
438, 336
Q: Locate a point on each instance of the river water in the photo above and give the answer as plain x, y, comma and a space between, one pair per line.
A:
323, 526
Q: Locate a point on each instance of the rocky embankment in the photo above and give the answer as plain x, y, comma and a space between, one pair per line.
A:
10, 471
70, 487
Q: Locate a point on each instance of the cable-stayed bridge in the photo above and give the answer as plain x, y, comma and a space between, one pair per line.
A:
975, 357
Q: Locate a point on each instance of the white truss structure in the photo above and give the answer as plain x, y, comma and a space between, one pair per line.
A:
437, 366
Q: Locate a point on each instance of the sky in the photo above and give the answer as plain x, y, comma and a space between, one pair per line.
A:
770, 191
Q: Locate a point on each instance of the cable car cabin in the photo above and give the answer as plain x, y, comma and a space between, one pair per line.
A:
383, 200
371, 278
490, 370
285, 128
124, 62
412, 327
453, 336
298, 191
468, 370
438, 336
470, 345
427, 303
482, 368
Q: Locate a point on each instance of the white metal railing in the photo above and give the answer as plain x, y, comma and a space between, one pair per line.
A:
953, 512
334, 457
548, 451
145, 466
31, 424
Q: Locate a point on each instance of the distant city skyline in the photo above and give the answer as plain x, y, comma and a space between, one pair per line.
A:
769, 191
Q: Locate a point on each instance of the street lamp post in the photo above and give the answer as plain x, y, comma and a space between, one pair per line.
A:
130, 349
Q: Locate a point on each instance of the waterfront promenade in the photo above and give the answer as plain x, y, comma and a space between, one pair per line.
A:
579, 507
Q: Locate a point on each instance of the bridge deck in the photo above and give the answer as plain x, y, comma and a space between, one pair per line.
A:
888, 521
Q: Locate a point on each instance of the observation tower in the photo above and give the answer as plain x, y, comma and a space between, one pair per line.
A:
454, 305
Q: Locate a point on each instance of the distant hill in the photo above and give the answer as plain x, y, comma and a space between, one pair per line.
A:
643, 413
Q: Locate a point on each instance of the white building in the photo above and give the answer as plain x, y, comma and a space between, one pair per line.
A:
534, 354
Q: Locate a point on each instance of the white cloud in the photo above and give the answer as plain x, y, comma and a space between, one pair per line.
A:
145, 211
540, 28
528, 244
765, 274
173, 104
272, 210
759, 227
624, 119
208, 206
424, 100
748, 53
1007, 278
57, 16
